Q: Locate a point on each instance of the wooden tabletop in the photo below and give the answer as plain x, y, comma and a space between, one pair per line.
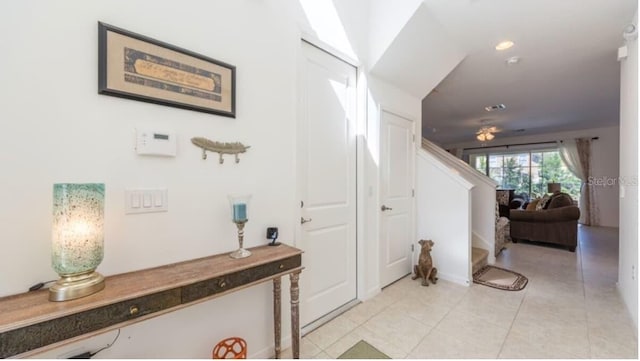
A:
34, 307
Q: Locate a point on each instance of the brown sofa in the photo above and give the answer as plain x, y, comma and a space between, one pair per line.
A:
556, 223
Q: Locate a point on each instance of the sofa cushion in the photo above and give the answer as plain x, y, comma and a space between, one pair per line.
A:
542, 204
532, 206
516, 203
560, 200
548, 215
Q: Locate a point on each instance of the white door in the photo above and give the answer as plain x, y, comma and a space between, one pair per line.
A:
397, 205
327, 182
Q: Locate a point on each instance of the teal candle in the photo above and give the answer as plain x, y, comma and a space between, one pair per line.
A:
239, 212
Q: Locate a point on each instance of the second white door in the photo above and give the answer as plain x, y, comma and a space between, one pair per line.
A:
397, 196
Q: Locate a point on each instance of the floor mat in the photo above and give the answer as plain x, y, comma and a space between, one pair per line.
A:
500, 278
363, 350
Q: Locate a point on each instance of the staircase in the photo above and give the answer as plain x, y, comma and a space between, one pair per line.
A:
483, 194
470, 200
478, 258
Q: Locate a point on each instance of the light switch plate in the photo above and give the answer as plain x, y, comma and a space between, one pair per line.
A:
146, 200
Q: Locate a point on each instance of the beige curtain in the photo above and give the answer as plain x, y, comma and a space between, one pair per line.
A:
576, 155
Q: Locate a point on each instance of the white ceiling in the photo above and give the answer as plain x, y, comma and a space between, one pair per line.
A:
568, 77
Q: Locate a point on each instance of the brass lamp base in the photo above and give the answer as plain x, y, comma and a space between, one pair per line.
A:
70, 287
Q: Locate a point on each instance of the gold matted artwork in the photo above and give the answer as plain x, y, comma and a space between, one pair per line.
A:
137, 67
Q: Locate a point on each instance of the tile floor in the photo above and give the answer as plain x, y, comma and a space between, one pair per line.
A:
569, 309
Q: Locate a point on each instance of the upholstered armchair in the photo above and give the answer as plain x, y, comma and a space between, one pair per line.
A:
503, 232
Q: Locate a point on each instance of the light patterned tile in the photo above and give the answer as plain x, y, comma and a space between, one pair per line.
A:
398, 329
571, 308
421, 310
367, 309
615, 330
322, 356
501, 318
308, 349
552, 313
495, 296
286, 354
518, 347
344, 343
440, 345
605, 348
571, 339
471, 329
331, 331
361, 333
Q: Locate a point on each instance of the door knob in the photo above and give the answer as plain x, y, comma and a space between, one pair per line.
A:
303, 221
385, 208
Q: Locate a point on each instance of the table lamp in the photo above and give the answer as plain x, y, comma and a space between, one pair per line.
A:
77, 240
554, 187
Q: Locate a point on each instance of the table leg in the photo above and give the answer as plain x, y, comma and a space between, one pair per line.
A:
277, 318
295, 316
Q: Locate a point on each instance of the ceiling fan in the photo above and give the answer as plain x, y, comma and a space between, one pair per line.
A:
487, 133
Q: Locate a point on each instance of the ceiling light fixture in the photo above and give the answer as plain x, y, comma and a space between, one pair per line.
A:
512, 60
504, 45
493, 108
484, 134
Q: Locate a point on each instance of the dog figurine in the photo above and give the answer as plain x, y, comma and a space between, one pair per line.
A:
424, 269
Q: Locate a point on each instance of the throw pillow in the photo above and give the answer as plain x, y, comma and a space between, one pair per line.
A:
532, 206
559, 200
543, 202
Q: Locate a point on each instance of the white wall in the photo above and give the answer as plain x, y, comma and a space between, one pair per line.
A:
387, 18
444, 216
58, 129
483, 218
604, 163
483, 197
418, 65
628, 258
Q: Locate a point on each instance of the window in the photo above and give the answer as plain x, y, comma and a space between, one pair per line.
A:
479, 162
527, 172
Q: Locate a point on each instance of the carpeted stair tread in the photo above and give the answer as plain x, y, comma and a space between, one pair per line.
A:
479, 258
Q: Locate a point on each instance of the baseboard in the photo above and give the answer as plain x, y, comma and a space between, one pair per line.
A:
328, 317
455, 279
371, 294
270, 351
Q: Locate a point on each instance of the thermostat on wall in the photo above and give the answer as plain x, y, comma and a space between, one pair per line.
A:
151, 142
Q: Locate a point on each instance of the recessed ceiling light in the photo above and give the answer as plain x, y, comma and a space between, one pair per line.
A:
504, 45
512, 60
495, 107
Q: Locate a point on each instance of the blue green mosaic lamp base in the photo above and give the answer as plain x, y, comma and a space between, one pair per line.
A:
77, 239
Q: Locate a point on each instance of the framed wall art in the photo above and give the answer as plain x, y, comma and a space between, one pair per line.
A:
137, 67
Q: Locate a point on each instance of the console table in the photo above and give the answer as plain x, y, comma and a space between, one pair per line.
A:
30, 323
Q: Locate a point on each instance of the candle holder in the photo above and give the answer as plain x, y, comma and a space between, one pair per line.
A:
239, 217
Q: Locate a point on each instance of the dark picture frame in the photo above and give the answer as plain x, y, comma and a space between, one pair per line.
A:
137, 67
